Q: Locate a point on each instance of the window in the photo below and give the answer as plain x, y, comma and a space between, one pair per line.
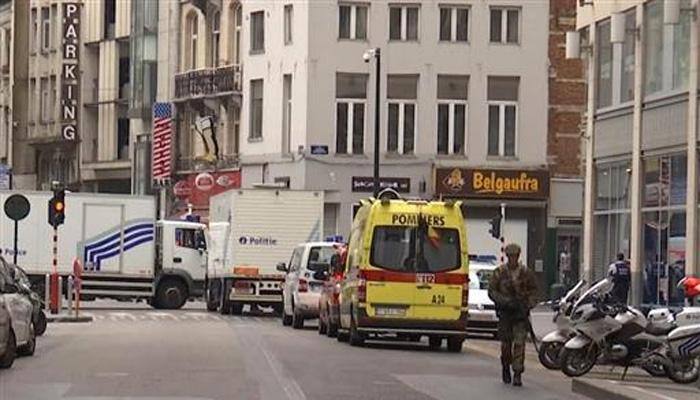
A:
34, 32
681, 48
286, 113
235, 44
256, 109
409, 249
505, 25
503, 115
109, 19
5, 37
45, 99
403, 23
215, 39
190, 238
295, 262
452, 113
123, 138
288, 18
454, 24
351, 98
653, 47
320, 256
604, 67
257, 32
352, 21
627, 64
192, 37
402, 92
45, 29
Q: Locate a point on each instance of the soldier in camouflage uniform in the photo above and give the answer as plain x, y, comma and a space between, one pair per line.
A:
513, 288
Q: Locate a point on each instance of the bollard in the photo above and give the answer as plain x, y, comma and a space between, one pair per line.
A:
47, 292
69, 294
59, 295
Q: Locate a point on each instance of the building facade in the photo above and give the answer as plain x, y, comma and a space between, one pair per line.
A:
453, 106
642, 143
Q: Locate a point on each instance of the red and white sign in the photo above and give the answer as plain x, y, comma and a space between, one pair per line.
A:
197, 188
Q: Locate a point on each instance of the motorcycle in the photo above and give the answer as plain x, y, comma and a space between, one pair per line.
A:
620, 335
552, 343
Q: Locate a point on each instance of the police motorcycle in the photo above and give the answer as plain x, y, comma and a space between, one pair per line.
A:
552, 343
620, 335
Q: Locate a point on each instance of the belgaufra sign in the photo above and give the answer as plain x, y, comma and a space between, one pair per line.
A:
70, 86
492, 183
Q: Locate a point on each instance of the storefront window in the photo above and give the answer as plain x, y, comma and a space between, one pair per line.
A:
612, 216
665, 187
604, 67
653, 47
664, 256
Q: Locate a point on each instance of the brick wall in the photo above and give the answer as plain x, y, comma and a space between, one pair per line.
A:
567, 94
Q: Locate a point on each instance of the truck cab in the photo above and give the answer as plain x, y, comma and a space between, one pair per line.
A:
180, 262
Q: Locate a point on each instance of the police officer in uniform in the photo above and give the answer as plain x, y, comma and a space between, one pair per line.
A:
620, 273
513, 289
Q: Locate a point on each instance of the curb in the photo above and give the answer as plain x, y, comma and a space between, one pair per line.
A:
592, 391
68, 319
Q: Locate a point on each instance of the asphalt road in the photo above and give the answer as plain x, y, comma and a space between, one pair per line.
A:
138, 353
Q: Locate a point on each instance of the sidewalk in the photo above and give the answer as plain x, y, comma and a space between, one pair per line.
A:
602, 383
634, 388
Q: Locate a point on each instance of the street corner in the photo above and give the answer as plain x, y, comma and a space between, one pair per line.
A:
646, 389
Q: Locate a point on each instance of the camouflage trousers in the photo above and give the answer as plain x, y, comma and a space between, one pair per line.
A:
513, 335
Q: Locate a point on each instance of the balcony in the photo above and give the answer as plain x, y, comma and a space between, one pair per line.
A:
208, 83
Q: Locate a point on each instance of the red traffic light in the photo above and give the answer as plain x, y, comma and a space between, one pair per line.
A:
58, 206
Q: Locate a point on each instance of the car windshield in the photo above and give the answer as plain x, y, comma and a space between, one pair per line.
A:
479, 278
410, 249
320, 255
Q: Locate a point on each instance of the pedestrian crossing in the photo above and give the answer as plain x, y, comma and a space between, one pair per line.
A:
174, 316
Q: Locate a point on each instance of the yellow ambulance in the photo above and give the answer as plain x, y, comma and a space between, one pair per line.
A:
406, 273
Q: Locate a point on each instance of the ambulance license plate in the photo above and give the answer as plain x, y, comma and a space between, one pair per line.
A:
390, 311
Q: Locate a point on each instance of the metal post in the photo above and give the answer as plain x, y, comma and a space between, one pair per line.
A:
47, 291
60, 291
54, 286
377, 107
14, 256
69, 294
503, 235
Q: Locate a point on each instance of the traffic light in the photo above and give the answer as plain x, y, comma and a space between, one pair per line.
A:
57, 208
495, 230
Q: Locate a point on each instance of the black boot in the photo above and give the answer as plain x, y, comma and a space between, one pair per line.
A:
506, 374
517, 379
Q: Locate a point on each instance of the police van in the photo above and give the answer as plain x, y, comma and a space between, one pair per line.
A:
406, 273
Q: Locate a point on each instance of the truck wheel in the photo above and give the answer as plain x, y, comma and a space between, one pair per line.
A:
297, 319
342, 336
454, 344
434, 342
212, 299
8, 358
225, 307
171, 294
236, 308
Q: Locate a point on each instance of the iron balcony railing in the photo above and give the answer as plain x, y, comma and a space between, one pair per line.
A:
207, 82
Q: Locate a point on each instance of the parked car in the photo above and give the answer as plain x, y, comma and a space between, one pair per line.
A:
21, 339
304, 280
25, 287
482, 310
8, 349
329, 305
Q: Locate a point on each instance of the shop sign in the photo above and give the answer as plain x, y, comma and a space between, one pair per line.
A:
319, 150
70, 86
492, 183
196, 189
366, 184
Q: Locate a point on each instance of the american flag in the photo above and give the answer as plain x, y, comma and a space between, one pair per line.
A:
162, 140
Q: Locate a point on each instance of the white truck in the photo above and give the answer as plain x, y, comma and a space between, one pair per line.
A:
250, 232
125, 252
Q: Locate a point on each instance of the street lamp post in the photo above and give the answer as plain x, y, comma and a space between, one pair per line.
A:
376, 54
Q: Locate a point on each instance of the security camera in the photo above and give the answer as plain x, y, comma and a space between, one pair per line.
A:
367, 56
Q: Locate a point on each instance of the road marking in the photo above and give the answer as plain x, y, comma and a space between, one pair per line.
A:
289, 385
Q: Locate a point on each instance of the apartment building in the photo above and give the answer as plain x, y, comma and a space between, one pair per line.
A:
471, 93
642, 141
78, 116
5, 92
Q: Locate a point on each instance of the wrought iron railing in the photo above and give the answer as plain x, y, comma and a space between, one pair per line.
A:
208, 82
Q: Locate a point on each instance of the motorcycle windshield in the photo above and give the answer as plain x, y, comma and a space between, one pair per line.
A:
571, 293
598, 290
